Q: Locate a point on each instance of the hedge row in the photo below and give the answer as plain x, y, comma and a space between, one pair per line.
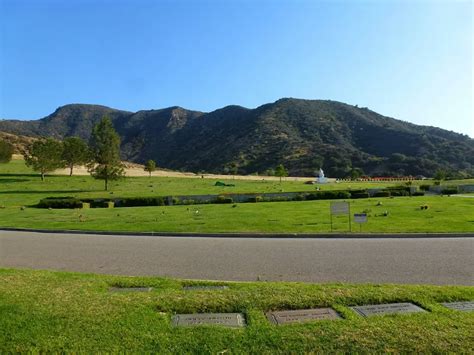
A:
72, 202
60, 202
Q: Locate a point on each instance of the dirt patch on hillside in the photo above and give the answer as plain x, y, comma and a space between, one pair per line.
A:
136, 170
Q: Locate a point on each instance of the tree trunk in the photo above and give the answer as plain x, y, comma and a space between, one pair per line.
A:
150, 173
106, 184
71, 167
42, 176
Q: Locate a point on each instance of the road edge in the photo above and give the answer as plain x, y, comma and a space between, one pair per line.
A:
249, 235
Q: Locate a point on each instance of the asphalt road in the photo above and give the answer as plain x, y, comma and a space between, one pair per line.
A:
407, 260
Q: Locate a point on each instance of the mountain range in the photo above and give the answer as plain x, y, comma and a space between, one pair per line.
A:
303, 135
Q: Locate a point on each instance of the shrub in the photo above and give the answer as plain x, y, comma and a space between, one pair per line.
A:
359, 195
328, 195
255, 199
449, 191
97, 203
382, 194
425, 187
399, 192
224, 199
275, 199
142, 201
175, 201
60, 202
299, 197
189, 202
418, 193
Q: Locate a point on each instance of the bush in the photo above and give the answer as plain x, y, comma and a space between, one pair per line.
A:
97, 203
418, 193
399, 192
276, 199
359, 195
141, 201
425, 187
255, 199
299, 197
60, 202
175, 201
449, 191
328, 195
224, 199
189, 202
382, 194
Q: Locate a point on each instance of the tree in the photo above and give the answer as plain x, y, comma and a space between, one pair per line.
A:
440, 175
150, 166
6, 151
356, 173
105, 153
281, 171
44, 156
75, 152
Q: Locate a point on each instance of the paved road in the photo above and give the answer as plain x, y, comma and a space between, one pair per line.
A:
410, 260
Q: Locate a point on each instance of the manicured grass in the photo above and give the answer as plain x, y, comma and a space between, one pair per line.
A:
44, 311
445, 214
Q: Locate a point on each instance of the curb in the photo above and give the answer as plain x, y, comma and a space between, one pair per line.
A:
253, 235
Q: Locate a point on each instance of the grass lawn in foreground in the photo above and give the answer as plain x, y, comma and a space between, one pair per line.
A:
20, 187
45, 311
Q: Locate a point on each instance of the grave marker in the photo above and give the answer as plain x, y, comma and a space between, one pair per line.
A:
390, 308
234, 320
205, 287
302, 315
130, 289
460, 306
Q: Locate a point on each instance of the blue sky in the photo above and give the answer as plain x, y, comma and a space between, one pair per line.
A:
411, 60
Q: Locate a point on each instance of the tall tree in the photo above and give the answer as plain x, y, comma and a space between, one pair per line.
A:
75, 152
44, 156
105, 148
6, 151
150, 166
281, 171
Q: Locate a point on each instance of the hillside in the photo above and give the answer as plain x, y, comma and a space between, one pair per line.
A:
304, 135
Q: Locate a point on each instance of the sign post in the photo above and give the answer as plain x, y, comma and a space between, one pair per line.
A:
338, 208
360, 218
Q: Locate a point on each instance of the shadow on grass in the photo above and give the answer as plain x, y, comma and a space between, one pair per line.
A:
10, 180
45, 192
19, 175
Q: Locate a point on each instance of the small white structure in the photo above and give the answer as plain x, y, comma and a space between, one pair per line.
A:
321, 179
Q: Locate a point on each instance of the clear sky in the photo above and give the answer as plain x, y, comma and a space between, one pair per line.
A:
411, 60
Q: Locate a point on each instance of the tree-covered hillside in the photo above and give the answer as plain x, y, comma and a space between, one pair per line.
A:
303, 135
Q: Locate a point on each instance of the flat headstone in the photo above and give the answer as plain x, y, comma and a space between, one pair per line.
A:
460, 306
235, 320
205, 287
130, 289
302, 315
389, 308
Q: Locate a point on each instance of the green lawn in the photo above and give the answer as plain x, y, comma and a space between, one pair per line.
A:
19, 187
43, 311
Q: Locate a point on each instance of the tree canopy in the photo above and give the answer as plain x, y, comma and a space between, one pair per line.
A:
150, 166
75, 152
45, 156
281, 171
105, 152
6, 151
